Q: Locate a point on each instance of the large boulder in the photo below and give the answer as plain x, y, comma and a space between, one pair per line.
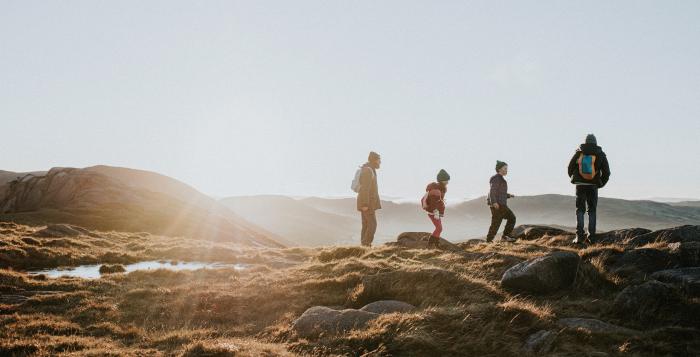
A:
387, 307
319, 320
620, 235
687, 279
649, 302
688, 253
542, 275
419, 240
532, 232
687, 233
594, 326
641, 262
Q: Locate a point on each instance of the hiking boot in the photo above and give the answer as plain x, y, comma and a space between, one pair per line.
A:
434, 242
508, 239
590, 238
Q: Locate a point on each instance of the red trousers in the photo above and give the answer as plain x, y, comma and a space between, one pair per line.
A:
438, 226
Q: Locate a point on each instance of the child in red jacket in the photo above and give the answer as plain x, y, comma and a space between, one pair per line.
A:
434, 203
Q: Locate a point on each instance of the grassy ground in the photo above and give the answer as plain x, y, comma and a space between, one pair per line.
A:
461, 308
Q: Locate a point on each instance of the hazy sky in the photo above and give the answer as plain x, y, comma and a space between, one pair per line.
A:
288, 97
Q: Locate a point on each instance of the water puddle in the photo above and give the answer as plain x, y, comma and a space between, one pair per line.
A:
93, 271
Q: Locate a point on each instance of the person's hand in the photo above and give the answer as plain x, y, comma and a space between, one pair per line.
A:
496, 206
364, 209
436, 214
511, 195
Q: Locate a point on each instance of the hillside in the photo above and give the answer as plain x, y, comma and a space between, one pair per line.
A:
124, 200
323, 221
636, 295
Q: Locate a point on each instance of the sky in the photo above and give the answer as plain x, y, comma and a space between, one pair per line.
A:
288, 97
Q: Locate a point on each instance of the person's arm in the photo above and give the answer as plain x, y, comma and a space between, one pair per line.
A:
604, 171
493, 193
365, 182
573, 164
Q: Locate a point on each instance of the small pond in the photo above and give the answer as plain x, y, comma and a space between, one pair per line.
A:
93, 271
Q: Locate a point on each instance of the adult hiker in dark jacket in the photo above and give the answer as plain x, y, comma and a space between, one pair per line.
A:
368, 198
589, 170
434, 203
498, 202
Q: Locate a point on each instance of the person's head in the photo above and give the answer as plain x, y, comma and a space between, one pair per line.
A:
501, 168
590, 139
374, 160
443, 177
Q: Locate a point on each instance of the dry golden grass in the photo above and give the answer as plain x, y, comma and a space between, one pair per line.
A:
461, 309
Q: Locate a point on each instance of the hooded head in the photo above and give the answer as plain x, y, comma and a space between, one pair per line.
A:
590, 139
443, 176
374, 159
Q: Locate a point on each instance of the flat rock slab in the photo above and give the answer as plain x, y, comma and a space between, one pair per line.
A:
595, 326
542, 275
641, 261
686, 233
319, 320
620, 235
532, 232
419, 240
687, 279
387, 307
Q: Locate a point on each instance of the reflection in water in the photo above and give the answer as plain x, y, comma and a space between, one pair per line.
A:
93, 271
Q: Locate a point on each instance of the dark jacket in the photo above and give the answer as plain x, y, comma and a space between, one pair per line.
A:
436, 198
499, 190
369, 192
601, 165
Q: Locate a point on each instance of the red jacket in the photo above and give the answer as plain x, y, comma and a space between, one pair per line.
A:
436, 197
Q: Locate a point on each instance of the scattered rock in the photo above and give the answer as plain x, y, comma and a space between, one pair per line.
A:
685, 233
532, 232
595, 326
62, 230
687, 279
419, 240
620, 235
387, 307
640, 262
540, 342
542, 275
649, 302
112, 269
688, 253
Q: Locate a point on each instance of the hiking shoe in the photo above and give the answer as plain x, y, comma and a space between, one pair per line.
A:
508, 239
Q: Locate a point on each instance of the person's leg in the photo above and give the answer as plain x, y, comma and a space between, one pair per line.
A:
510, 222
580, 211
592, 201
435, 237
363, 234
371, 227
495, 223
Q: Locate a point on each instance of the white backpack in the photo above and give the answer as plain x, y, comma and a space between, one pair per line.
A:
355, 185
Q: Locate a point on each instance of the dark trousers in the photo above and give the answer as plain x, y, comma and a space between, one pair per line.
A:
586, 197
497, 216
369, 227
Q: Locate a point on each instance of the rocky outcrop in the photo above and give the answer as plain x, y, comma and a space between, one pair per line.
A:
620, 235
687, 279
532, 232
640, 262
686, 233
419, 240
540, 342
542, 275
649, 302
594, 326
688, 253
320, 320
63, 230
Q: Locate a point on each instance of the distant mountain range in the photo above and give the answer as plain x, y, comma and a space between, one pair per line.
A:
322, 221
113, 198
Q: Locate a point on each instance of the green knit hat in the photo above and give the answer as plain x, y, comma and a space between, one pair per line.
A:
500, 164
443, 176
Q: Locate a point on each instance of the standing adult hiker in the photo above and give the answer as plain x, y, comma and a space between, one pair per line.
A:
589, 171
498, 202
365, 184
434, 203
